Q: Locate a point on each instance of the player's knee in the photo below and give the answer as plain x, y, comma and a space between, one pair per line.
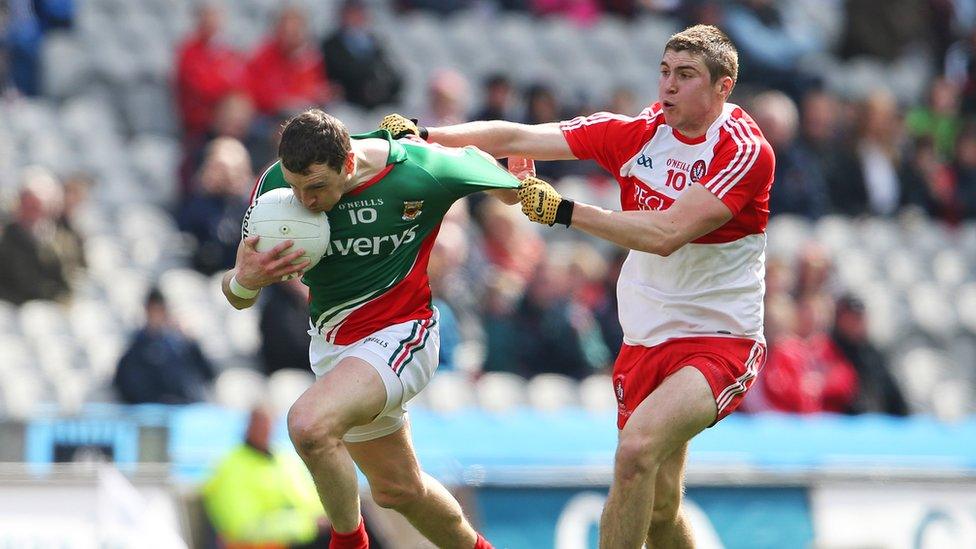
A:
636, 456
397, 494
311, 430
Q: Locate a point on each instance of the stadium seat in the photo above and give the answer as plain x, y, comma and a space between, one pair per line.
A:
596, 394
65, 65
447, 392
8, 319
22, 392
154, 160
241, 329
16, 354
920, 370
552, 392
932, 311
500, 392
240, 388
965, 300
950, 268
786, 234
902, 267
855, 267
41, 318
285, 386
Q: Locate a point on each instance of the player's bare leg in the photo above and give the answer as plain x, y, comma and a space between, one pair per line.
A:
666, 420
349, 395
670, 528
396, 482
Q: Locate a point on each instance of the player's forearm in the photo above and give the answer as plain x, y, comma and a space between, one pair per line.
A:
502, 139
236, 301
494, 137
644, 231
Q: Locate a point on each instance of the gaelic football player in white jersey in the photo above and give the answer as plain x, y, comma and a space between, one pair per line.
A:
695, 174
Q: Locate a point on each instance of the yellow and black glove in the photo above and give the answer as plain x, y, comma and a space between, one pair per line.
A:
542, 204
401, 126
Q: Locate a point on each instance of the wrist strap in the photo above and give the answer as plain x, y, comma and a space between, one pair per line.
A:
564, 212
421, 130
240, 291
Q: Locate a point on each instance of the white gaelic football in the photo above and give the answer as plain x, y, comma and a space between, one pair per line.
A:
278, 215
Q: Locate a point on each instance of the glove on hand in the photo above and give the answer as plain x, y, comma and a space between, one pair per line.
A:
400, 126
543, 204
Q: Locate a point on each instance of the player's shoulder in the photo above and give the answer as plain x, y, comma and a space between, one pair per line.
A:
650, 116
739, 131
270, 178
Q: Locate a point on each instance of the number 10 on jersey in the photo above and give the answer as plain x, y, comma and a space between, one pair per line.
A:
362, 215
676, 180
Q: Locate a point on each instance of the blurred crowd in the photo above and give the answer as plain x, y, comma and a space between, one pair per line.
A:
513, 298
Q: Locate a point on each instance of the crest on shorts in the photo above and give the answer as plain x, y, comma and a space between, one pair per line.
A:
697, 170
412, 209
618, 389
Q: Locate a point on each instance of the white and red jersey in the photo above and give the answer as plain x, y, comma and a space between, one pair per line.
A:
713, 285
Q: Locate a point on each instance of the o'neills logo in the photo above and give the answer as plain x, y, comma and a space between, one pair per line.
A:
541, 203
245, 225
411, 209
697, 170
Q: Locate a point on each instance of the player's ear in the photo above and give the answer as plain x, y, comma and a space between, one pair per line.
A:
725, 85
350, 163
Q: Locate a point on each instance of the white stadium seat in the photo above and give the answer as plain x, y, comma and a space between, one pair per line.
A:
552, 392
240, 388
596, 393
286, 385
447, 392
500, 391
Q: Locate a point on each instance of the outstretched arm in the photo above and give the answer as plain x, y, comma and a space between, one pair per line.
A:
502, 139
695, 213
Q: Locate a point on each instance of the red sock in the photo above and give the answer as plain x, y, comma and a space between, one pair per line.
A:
353, 540
482, 543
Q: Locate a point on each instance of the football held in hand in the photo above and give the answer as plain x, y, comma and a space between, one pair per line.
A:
278, 215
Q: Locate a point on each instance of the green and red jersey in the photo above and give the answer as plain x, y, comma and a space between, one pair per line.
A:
374, 273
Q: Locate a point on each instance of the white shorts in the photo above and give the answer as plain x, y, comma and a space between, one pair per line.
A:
405, 355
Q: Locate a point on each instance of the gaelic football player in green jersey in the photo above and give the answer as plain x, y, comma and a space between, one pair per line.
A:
374, 332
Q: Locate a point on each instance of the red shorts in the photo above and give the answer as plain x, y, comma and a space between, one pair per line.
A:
729, 364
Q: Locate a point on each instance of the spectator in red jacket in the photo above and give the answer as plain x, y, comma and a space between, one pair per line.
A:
805, 372
206, 72
286, 73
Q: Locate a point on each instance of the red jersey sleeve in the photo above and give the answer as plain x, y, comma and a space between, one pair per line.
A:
609, 139
742, 169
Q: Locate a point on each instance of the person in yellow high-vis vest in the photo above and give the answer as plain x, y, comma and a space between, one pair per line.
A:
262, 499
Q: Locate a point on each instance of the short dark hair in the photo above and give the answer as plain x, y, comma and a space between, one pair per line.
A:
313, 137
155, 297
714, 46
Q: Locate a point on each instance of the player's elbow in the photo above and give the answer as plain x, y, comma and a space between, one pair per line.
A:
659, 245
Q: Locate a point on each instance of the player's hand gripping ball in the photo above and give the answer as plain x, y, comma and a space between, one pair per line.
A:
278, 215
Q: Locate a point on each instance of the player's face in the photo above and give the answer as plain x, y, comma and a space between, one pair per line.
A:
320, 189
689, 98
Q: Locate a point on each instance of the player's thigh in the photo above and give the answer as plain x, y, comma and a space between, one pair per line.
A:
389, 463
351, 394
677, 410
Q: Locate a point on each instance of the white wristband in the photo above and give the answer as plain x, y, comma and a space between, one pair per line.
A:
241, 291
